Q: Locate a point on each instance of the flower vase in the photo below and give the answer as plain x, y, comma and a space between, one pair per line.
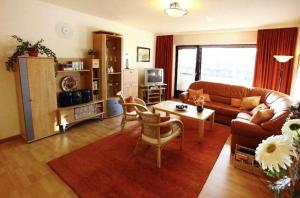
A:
200, 108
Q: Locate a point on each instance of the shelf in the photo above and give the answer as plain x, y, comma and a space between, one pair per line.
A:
112, 73
96, 78
80, 105
67, 71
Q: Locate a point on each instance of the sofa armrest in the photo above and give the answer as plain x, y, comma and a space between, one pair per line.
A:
247, 129
184, 96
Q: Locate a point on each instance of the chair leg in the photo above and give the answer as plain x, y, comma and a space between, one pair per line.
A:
158, 157
123, 123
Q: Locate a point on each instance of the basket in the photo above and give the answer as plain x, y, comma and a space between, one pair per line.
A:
244, 159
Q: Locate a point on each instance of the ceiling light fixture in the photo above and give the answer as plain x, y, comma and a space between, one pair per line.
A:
175, 10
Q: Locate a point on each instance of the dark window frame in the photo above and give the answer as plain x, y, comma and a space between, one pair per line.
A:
199, 59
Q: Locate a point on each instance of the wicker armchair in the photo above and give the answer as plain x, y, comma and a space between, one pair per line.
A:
131, 116
151, 132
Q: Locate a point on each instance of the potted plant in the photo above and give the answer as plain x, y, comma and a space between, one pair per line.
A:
92, 53
31, 49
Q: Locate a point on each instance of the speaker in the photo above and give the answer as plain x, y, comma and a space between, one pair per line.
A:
76, 97
86, 95
65, 99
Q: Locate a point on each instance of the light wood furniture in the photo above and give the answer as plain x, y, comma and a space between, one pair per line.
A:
109, 50
93, 65
88, 78
151, 132
130, 82
35, 83
25, 173
153, 94
191, 113
130, 116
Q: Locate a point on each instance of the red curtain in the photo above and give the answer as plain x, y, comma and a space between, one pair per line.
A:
164, 60
272, 42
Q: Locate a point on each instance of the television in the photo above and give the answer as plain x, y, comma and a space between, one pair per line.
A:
154, 76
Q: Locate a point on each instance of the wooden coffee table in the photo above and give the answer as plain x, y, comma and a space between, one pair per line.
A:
191, 113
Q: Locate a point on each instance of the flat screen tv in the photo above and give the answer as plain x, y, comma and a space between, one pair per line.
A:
154, 76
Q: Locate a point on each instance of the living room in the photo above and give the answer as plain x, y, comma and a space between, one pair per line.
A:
227, 47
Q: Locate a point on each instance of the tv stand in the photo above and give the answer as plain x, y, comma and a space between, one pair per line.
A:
153, 93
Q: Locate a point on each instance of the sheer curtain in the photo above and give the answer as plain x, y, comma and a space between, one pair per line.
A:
297, 85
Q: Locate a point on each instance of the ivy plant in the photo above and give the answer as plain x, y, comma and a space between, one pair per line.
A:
23, 47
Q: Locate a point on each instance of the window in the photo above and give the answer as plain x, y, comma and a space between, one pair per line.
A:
297, 85
230, 64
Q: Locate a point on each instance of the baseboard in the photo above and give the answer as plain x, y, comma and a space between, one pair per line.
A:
10, 138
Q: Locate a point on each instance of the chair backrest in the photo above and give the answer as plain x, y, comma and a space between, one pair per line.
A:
122, 102
148, 121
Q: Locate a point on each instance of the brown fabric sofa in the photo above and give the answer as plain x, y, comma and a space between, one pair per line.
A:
243, 132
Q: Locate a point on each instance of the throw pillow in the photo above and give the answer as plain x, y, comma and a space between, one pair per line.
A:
262, 106
261, 116
193, 94
164, 129
235, 102
130, 99
249, 103
206, 97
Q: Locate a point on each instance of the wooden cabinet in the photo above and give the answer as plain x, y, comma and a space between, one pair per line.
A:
130, 82
109, 50
35, 83
153, 94
88, 78
68, 116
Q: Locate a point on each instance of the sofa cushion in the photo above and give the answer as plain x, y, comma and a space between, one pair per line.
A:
249, 103
262, 106
220, 99
262, 116
244, 116
223, 109
193, 94
236, 102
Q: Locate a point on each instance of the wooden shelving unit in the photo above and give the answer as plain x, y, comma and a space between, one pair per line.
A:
109, 50
68, 71
86, 79
153, 94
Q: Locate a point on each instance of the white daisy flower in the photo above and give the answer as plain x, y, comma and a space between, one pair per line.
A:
291, 128
275, 152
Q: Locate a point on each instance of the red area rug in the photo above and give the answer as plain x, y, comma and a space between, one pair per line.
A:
108, 168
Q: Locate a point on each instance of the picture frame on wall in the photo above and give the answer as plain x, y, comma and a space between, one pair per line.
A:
143, 54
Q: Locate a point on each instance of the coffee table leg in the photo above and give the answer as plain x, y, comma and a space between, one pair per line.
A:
201, 130
212, 121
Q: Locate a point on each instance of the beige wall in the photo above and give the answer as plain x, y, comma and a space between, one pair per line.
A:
33, 20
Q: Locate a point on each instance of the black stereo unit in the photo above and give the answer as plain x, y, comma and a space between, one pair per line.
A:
69, 98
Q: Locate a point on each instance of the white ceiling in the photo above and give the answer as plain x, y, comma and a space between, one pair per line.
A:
203, 14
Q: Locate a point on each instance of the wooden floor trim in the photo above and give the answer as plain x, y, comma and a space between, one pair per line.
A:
9, 138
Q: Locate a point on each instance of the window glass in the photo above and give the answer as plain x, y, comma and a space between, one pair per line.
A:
186, 68
228, 65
